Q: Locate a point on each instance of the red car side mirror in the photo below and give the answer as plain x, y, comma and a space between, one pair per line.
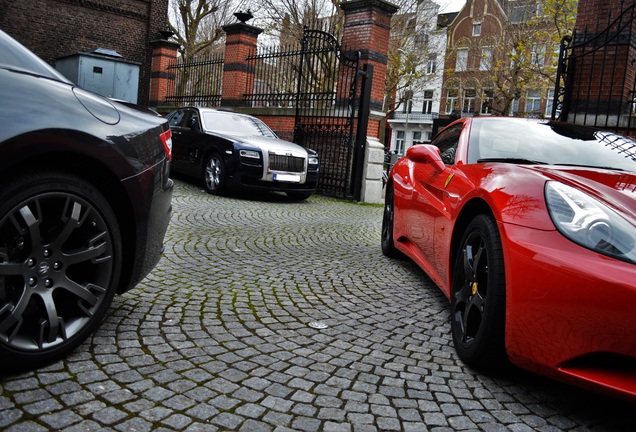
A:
426, 153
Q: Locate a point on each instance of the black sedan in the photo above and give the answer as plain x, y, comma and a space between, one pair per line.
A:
85, 201
232, 151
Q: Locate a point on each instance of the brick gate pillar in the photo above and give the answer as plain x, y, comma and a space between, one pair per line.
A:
366, 29
164, 54
240, 42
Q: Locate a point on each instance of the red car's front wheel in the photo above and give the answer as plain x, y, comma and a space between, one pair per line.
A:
478, 300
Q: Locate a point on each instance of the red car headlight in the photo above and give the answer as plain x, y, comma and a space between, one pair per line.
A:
590, 223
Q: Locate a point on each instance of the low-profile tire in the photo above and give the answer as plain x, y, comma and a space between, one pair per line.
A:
60, 264
298, 196
214, 175
478, 298
388, 216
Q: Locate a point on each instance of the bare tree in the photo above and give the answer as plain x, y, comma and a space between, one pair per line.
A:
197, 24
197, 27
285, 19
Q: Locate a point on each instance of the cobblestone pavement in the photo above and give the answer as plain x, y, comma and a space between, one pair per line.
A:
218, 337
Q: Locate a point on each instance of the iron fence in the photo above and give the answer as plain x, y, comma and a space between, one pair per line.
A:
596, 79
275, 79
197, 81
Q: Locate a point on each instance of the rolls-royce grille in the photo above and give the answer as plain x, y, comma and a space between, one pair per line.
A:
286, 163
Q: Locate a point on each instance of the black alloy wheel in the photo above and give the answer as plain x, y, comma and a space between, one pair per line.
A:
478, 298
387, 241
60, 263
214, 174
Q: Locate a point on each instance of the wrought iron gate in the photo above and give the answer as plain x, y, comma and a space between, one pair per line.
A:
327, 101
596, 76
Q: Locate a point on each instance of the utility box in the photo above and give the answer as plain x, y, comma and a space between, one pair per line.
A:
102, 71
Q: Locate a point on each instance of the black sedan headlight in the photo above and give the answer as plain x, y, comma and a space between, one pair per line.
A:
250, 157
313, 161
589, 222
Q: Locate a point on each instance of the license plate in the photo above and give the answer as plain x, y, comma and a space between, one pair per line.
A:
287, 177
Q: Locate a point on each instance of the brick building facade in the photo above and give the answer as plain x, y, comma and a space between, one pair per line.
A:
501, 60
56, 28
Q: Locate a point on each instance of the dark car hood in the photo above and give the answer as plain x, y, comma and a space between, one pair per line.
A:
265, 143
616, 188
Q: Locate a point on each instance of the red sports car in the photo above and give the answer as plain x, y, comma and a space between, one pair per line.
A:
529, 228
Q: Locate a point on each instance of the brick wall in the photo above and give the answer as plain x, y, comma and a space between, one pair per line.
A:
57, 28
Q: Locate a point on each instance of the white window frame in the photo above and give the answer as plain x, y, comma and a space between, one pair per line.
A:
514, 107
533, 101
477, 29
451, 101
549, 103
485, 62
469, 100
538, 55
461, 63
431, 65
400, 141
427, 102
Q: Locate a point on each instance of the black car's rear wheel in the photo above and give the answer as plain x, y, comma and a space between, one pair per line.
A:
60, 260
478, 300
214, 174
387, 241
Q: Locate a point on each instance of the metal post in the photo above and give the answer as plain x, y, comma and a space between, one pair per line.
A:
361, 134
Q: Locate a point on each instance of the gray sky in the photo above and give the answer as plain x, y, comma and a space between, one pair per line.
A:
450, 5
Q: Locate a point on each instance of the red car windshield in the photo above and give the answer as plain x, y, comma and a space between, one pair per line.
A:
549, 142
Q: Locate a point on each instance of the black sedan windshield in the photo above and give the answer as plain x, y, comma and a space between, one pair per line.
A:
235, 124
549, 142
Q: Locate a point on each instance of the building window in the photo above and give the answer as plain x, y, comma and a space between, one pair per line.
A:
399, 142
485, 64
514, 108
427, 106
538, 55
431, 66
513, 57
549, 103
407, 105
461, 64
476, 29
540, 10
451, 100
468, 104
522, 12
417, 137
533, 100
487, 100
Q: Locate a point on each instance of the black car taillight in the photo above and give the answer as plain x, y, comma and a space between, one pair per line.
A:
166, 139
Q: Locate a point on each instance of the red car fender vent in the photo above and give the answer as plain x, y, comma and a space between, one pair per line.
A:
612, 372
166, 139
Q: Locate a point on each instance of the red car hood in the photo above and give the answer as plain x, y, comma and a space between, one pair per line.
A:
615, 188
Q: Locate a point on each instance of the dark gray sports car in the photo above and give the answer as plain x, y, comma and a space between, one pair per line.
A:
231, 151
85, 201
